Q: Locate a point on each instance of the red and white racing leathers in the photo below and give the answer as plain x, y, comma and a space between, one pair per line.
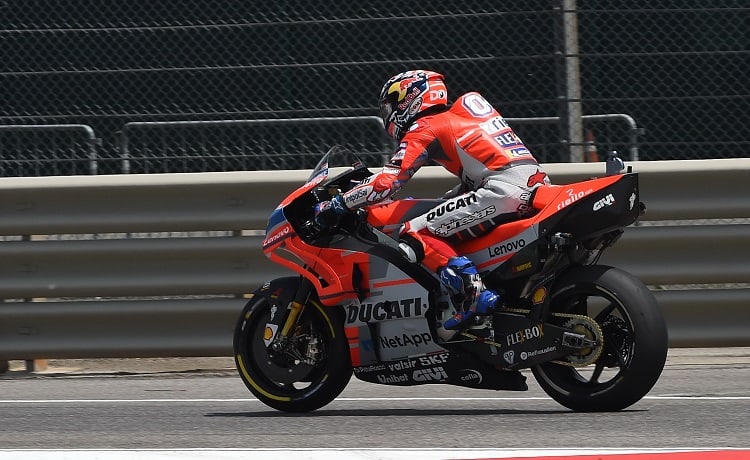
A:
474, 142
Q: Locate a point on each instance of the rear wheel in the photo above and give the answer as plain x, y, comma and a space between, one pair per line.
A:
304, 372
635, 341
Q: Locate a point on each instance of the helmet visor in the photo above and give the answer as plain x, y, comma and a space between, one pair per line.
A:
386, 110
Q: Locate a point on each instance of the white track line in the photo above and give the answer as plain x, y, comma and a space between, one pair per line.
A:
396, 399
315, 454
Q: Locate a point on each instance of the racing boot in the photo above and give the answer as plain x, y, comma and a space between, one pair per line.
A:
470, 297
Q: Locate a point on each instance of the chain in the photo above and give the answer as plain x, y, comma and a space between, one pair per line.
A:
585, 319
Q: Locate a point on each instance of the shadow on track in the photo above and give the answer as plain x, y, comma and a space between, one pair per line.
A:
395, 412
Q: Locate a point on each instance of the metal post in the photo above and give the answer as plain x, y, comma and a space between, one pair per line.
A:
571, 54
124, 149
569, 80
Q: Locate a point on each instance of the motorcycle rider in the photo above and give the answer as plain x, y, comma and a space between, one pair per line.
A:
471, 140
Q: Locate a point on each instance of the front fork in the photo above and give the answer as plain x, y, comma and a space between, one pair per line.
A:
295, 307
285, 348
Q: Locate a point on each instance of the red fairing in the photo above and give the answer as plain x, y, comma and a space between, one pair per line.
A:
303, 189
548, 199
334, 267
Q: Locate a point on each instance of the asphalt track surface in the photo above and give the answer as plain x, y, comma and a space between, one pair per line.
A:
199, 408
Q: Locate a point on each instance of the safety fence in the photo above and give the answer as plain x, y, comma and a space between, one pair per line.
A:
146, 147
155, 265
44, 150
247, 145
678, 67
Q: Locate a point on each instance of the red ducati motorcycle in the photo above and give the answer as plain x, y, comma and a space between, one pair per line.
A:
592, 335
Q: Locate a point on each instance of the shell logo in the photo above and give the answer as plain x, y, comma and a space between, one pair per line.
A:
539, 295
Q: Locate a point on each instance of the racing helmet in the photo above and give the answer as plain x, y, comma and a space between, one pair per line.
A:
406, 95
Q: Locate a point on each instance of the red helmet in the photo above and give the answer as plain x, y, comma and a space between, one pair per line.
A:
406, 95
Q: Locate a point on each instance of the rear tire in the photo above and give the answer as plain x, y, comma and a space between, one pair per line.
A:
282, 380
635, 341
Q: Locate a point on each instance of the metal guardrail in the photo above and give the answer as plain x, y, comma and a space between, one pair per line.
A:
107, 296
247, 145
663, 255
240, 145
631, 128
33, 153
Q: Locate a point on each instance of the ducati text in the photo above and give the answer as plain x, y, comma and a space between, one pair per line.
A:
382, 311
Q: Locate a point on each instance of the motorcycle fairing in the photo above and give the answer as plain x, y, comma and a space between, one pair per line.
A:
583, 209
590, 208
311, 183
520, 235
391, 322
390, 340
337, 264
442, 367
369, 240
392, 294
385, 305
336, 274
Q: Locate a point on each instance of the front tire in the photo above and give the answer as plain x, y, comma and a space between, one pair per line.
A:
310, 371
635, 341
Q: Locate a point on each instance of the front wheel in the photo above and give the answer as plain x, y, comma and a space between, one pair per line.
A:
305, 371
635, 341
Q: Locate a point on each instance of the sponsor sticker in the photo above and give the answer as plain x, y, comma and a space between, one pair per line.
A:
520, 336
431, 374
404, 340
530, 354
572, 197
381, 311
608, 200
